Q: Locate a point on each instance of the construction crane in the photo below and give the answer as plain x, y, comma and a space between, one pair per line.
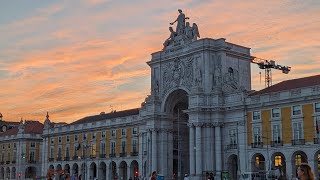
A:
267, 65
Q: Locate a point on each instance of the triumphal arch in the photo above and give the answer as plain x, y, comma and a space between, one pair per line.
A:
197, 90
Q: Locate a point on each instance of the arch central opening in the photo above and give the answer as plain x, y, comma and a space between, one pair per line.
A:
177, 102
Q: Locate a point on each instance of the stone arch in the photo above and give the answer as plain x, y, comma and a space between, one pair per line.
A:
31, 172
134, 169
113, 170
278, 165
75, 169
2, 173
175, 104
93, 170
297, 158
58, 168
8, 172
233, 166
123, 170
83, 170
317, 164
102, 171
13, 173
67, 170
258, 163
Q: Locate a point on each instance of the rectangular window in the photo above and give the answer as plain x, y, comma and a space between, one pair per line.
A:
103, 148
297, 130
296, 110
123, 147
76, 148
59, 152
51, 153
123, 132
9, 146
76, 138
134, 145
233, 136
68, 139
103, 134
67, 152
256, 135
31, 158
256, 115
14, 155
276, 113
113, 133
134, 131
84, 136
14, 145
8, 158
93, 135
33, 144
2, 146
113, 147
60, 139
52, 141
276, 133
317, 107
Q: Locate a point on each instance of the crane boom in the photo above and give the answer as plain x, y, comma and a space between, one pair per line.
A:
267, 65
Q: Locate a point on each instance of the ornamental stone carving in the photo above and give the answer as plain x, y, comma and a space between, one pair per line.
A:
177, 73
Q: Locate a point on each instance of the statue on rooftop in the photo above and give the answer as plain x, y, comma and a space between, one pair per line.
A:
181, 22
170, 39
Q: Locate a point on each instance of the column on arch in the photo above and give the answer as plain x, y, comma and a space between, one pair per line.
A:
163, 153
154, 150
198, 140
191, 149
218, 149
208, 146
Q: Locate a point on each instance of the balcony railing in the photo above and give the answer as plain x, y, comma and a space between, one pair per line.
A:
7, 162
135, 153
92, 156
59, 158
102, 155
67, 158
257, 145
276, 143
51, 159
123, 154
298, 142
112, 155
13, 162
316, 140
74, 157
231, 146
83, 157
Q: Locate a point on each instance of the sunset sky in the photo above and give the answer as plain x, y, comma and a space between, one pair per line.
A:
79, 58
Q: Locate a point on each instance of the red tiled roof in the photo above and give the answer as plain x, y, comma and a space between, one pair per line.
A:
100, 117
31, 127
290, 84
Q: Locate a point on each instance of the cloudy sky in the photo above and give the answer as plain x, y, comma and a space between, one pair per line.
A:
82, 57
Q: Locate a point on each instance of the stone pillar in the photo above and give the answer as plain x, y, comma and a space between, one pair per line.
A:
149, 151
129, 173
154, 150
141, 153
207, 148
164, 153
198, 150
191, 150
170, 153
218, 151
